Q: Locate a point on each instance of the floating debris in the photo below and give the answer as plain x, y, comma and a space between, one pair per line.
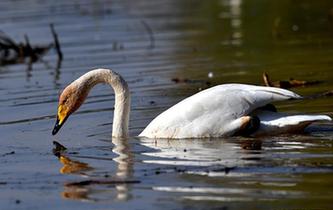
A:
189, 81
8, 153
324, 94
106, 181
12, 52
179, 80
56, 42
151, 34
251, 144
210, 75
292, 83
225, 169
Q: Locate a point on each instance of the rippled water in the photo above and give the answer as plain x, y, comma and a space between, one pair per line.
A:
149, 43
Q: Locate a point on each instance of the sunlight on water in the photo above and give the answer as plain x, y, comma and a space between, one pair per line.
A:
166, 50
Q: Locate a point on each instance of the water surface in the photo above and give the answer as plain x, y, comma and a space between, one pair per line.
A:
149, 43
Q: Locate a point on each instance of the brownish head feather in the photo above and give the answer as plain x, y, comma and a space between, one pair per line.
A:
70, 100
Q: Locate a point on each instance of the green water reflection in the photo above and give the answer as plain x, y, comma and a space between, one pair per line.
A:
235, 40
238, 41
286, 38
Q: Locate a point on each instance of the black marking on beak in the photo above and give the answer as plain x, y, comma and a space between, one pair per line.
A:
57, 126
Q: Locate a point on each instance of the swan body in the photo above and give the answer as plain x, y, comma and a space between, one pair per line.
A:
223, 110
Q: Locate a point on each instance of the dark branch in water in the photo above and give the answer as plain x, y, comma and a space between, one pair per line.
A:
8, 153
292, 83
151, 34
30, 52
12, 52
320, 95
266, 79
56, 42
107, 182
327, 93
190, 81
59, 52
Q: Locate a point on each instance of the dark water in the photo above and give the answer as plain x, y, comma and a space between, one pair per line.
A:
149, 43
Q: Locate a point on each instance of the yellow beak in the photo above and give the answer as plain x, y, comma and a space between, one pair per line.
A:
61, 118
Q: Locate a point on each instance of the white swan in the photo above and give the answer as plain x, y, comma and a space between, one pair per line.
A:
223, 110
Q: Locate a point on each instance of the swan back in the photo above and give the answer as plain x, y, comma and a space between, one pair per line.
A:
214, 111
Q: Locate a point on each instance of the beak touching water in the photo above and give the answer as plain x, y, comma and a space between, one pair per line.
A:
58, 125
61, 119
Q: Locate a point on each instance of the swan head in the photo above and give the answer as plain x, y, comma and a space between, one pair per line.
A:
70, 100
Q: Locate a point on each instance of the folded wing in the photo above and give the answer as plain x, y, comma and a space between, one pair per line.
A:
212, 112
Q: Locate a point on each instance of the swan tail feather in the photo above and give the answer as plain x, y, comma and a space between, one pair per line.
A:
279, 123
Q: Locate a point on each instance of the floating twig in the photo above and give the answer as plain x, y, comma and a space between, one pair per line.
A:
267, 81
107, 182
8, 153
12, 52
190, 81
327, 93
292, 83
321, 95
56, 42
151, 34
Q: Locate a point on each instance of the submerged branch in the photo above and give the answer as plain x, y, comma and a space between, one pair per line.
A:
151, 34
12, 52
56, 42
106, 181
292, 83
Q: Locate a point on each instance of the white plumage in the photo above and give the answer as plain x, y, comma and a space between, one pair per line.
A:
218, 111
223, 110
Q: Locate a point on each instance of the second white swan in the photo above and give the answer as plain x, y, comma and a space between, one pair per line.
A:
223, 110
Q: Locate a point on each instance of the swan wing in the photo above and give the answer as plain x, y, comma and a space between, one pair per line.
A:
273, 123
214, 112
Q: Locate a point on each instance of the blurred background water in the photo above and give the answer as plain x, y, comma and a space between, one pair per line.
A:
153, 44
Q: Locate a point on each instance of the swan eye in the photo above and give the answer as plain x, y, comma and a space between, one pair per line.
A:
64, 101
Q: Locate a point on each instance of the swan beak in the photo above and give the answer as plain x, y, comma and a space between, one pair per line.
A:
61, 118
58, 125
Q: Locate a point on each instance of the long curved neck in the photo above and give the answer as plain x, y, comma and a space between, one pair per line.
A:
122, 96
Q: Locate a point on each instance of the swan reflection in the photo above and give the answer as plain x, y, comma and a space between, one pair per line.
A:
118, 184
240, 164
72, 166
125, 167
203, 152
